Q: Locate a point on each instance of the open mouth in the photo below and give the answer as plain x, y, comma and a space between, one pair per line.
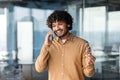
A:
58, 32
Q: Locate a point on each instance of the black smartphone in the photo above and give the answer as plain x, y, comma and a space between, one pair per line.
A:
52, 36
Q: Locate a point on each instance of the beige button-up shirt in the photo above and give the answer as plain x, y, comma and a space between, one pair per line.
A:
65, 61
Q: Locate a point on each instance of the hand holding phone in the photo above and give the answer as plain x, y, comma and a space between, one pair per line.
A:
48, 38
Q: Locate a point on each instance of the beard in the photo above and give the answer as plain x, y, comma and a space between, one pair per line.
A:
60, 33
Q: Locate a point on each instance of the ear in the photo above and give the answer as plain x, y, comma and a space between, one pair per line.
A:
68, 25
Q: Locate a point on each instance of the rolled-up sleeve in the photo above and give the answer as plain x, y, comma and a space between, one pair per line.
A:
87, 70
42, 60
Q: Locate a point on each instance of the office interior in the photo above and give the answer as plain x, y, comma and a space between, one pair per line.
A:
23, 28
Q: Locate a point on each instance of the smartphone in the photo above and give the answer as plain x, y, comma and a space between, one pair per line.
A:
52, 36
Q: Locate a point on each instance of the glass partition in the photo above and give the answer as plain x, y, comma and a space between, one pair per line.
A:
99, 24
25, 42
3, 39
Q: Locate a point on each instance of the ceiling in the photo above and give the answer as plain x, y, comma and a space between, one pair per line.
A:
58, 4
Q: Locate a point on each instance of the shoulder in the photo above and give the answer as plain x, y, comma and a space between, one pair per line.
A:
82, 43
80, 40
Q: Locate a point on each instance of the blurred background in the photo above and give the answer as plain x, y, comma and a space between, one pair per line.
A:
23, 28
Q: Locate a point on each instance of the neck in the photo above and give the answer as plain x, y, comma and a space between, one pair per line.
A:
65, 37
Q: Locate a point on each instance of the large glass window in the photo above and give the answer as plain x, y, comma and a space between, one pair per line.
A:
101, 28
94, 25
40, 28
114, 25
38, 18
3, 35
25, 43
3, 29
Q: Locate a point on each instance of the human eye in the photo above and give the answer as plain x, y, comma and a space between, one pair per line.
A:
53, 25
60, 23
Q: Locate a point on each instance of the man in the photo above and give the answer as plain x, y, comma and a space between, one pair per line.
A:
66, 56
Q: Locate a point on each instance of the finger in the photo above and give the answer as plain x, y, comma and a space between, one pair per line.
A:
91, 56
90, 59
90, 62
50, 33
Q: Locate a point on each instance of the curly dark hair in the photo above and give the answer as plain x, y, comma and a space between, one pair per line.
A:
59, 15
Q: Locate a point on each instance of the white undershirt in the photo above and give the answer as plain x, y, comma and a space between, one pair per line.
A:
64, 40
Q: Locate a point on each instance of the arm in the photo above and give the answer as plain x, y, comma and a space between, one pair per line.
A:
42, 60
88, 61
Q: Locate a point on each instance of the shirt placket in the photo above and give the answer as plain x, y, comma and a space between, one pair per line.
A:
62, 61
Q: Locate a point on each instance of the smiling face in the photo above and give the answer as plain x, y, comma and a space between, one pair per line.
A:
60, 28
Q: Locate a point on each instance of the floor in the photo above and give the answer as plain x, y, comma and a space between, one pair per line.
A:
27, 72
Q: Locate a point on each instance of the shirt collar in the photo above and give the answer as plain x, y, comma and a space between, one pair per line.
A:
69, 38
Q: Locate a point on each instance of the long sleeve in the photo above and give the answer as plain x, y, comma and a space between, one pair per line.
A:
88, 70
41, 62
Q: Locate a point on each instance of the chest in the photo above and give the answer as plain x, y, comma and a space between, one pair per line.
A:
66, 52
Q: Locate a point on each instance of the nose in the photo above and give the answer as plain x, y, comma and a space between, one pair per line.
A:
56, 28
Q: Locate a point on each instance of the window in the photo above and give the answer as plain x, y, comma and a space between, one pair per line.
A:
3, 34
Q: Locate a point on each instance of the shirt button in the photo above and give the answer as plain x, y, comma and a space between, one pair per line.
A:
62, 73
62, 54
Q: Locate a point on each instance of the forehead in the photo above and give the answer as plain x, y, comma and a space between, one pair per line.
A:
56, 22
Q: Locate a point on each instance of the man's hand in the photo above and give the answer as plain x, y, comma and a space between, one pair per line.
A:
89, 59
48, 40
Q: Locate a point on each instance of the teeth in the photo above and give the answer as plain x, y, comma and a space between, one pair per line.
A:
59, 31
